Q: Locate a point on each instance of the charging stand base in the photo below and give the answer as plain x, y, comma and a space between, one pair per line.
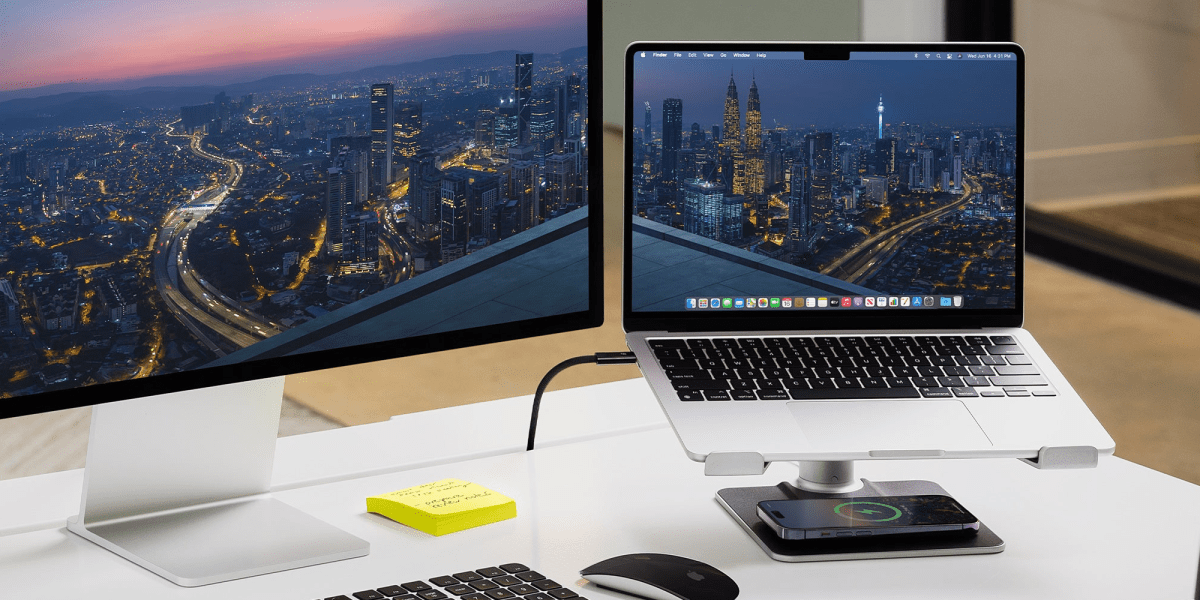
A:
742, 504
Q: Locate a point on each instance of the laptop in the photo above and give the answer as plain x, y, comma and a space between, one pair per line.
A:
824, 254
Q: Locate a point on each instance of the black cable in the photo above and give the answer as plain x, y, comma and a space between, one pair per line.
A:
601, 358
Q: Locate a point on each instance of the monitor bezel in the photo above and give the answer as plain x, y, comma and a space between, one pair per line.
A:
817, 319
205, 377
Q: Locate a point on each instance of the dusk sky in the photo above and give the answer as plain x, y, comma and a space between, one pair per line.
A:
73, 41
831, 93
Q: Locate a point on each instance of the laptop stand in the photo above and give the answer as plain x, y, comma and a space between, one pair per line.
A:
742, 504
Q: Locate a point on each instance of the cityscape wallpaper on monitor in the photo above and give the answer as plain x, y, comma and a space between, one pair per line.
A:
895, 174
182, 181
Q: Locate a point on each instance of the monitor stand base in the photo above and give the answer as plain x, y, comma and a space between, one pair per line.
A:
180, 484
742, 505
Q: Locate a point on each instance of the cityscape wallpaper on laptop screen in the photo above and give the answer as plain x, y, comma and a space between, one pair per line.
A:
762, 180
190, 184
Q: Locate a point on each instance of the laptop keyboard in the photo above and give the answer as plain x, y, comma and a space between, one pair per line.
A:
845, 367
512, 580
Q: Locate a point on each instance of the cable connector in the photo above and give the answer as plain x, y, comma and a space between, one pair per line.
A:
615, 358
600, 358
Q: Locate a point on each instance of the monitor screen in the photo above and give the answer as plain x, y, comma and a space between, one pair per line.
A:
216, 192
779, 178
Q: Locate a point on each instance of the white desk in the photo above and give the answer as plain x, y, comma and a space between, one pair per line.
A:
610, 478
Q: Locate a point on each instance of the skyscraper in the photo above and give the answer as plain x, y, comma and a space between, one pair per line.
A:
407, 130
542, 123
800, 211
672, 139
754, 156
383, 120
731, 137
508, 129
346, 194
523, 92
647, 133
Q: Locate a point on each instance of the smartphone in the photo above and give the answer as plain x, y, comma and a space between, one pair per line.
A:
838, 518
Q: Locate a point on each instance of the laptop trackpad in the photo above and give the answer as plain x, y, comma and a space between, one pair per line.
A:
865, 425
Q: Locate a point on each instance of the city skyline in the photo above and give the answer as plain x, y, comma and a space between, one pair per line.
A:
838, 94
110, 43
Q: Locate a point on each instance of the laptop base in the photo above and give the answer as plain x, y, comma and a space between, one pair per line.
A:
743, 502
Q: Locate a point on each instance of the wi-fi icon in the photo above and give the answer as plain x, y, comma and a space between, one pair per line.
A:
926, 55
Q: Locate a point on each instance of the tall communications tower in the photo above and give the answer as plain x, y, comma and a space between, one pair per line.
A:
881, 117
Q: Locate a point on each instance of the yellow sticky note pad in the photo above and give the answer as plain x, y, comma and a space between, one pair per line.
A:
444, 506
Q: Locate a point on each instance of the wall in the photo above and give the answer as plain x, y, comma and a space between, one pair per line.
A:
1113, 97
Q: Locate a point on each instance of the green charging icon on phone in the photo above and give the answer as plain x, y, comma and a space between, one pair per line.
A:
874, 512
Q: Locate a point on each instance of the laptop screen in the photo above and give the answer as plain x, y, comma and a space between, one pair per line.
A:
823, 177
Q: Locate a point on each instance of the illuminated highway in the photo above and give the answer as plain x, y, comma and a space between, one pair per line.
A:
860, 262
174, 273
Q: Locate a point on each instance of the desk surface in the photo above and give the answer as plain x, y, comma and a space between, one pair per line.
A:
606, 485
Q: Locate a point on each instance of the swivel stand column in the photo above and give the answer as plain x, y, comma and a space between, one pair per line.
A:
835, 479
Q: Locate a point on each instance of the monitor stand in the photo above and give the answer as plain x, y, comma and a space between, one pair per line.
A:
835, 479
180, 484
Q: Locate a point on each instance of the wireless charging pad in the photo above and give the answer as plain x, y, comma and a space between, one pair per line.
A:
742, 504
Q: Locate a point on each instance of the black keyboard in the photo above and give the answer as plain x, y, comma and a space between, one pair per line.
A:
512, 580
844, 367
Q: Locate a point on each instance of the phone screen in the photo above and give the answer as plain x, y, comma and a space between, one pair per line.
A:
868, 513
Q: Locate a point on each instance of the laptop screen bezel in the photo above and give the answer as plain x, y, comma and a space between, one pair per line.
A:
832, 319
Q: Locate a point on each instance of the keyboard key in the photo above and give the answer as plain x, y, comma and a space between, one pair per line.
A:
523, 589
368, 595
506, 580
538, 596
779, 394
528, 576
1018, 359
854, 394
392, 590
1003, 350
710, 395
957, 371
968, 361
1017, 370
1016, 393
975, 350
930, 371
964, 392
898, 382
977, 381
847, 383
562, 594
690, 396
925, 382
1019, 380
991, 392
416, 586
444, 581
686, 374
546, 585
950, 382
936, 392
460, 589
483, 585
743, 395
1044, 391
986, 371
998, 360
873, 382
1004, 340
667, 343
500, 594
432, 595
692, 385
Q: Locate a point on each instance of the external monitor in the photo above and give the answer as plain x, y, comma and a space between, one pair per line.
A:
202, 199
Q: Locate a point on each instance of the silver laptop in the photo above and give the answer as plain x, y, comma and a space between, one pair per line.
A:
824, 254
